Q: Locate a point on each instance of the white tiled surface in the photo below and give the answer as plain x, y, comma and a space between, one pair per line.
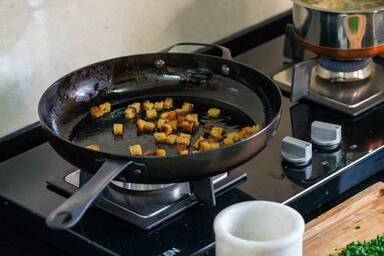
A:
42, 40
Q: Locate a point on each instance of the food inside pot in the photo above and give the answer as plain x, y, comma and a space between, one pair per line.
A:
345, 5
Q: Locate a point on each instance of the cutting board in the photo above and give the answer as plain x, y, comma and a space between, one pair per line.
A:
333, 230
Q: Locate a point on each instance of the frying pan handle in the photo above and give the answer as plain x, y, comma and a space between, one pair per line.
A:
70, 212
226, 53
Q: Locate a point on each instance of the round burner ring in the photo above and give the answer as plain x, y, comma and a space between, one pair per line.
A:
140, 187
344, 71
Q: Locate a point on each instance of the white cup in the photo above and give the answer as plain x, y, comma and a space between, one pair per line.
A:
255, 228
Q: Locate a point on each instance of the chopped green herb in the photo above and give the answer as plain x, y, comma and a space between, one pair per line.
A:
357, 227
374, 247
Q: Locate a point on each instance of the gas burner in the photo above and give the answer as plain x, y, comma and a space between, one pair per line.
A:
344, 71
148, 205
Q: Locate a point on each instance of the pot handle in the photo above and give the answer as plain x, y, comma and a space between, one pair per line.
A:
226, 53
70, 212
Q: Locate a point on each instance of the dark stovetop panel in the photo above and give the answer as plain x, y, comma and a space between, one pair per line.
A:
25, 199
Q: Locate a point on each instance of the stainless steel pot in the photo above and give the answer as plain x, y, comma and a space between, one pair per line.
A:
339, 34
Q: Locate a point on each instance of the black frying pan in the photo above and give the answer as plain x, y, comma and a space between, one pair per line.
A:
243, 92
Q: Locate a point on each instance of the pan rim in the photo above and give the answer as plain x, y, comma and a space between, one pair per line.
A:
107, 155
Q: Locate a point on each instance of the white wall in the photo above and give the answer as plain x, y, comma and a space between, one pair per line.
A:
41, 40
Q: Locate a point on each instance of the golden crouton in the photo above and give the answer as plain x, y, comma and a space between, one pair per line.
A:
181, 147
166, 128
160, 152
188, 107
136, 105
159, 105
173, 124
184, 138
214, 145
157, 152
214, 112
150, 114
203, 145
149, 126
187, 126
93, 147
170, 115
118, 129
130, 112
228, 141
140, 124
181, 112
135, 150
195, 151
168, 103
100, 110
249, 131
217, 132
184, 152
160, 136
171, 139
147, 105
160, 123
231, 138
193, 118
180, 120
196, 145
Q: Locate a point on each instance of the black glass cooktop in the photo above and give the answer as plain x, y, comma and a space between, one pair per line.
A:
26, 200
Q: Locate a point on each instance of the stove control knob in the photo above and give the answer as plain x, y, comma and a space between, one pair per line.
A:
325, 134
295, 151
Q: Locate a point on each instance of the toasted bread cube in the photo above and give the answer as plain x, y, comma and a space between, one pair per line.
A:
149, 126
159, 105
181, 147
184, 152
181, 112
197, 142
136, 105
130, 112
195, 151
188, 107
255, 128
149, 153
170, 115
147, 105
140, 124
118, 129
214, 145
168, 103
93, 147
171, 139
217, 132
234, 136
160, 123
214, 112
151, 114
105, 107
166, 128
194, 118
173, 124
160, 136
184, 138
135, 150
160, 152
228, 141
96, 111
100, 110
188, 126
203, 145
180, 120
248, 131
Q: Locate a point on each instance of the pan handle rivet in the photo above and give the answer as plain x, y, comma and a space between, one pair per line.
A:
137, 172
225, 69
159, 63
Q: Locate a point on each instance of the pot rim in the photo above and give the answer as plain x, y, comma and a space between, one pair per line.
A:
372, 10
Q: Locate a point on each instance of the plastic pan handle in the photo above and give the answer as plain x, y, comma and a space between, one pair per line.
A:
70, 212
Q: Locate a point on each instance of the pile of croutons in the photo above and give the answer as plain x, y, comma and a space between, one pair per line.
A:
173, 126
